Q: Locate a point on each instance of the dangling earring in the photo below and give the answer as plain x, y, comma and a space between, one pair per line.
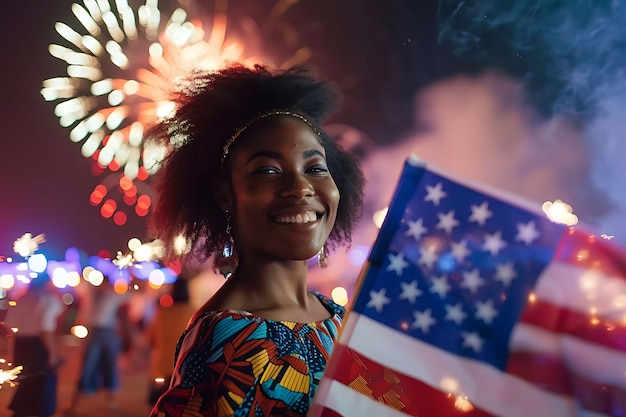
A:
226, 260
321, 257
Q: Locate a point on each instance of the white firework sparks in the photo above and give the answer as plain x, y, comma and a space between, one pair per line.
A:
10, 375
27, 245
122, 64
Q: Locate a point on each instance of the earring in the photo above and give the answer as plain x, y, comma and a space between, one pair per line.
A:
321, 257
228, 249
226, 261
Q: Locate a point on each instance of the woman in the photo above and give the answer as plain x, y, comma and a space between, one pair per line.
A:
253, 182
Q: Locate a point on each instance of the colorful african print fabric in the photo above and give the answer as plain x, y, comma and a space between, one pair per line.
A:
233, 363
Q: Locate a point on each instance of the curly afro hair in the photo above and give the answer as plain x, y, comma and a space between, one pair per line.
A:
211, 106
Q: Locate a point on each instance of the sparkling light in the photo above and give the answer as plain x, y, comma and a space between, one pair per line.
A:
559, 212
10, 375
27, 244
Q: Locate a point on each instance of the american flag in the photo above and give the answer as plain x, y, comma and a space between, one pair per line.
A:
474, 303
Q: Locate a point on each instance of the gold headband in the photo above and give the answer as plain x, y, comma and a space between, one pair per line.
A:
240, 130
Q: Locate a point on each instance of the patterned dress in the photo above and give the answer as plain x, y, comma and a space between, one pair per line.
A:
233, 363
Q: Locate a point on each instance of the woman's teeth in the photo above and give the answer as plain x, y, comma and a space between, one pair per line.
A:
307, 217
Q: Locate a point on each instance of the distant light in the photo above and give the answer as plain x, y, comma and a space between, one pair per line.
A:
120, 286
166, 300
73, 279
86, 271
134, 243
7, 281
60, 277
339, 295
181, 245
358, 255
67, 298
143, 253
37, 262
96, 278
79, 331
559, 212
156, 278
379, 217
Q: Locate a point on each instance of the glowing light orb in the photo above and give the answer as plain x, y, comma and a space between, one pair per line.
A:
79, 331
379, 217
560, 212
340, 296
37, 262
7, 281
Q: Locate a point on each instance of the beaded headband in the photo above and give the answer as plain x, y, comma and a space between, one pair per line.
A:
241, 129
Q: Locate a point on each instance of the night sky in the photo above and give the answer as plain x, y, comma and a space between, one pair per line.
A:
370, 48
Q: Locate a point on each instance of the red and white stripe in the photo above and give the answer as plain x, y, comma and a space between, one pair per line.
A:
567, 355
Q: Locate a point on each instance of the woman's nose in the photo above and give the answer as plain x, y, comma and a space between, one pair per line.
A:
297, 186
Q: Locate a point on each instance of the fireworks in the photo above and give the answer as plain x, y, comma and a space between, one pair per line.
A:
123, 61
10, 375
27, 244
122, 65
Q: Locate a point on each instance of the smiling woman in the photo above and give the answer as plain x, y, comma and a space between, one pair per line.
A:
253, 183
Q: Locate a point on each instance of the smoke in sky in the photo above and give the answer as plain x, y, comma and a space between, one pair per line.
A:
568, 59
528, 96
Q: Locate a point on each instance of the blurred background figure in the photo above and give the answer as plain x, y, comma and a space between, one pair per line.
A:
35, 319
172, 315
106, 318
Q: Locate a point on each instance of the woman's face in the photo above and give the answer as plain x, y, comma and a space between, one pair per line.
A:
285, 200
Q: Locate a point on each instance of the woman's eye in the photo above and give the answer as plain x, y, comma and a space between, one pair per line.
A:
317, 168
266, 170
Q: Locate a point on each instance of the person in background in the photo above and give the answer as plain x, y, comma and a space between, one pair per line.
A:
254, 183
169, 322
35, 319
100, 368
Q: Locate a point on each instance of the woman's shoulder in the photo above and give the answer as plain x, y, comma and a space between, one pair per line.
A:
330, 305
223, 324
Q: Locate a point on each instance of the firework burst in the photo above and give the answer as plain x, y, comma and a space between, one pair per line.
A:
123, 62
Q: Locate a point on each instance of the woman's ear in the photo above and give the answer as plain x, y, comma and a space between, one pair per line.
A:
224, 195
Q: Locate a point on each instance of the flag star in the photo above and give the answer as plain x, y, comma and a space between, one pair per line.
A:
378, 299
397, 263
423, 320
480, 214
410, 291
494, 243
527, 232
447, 221
428, 256
455, 313
505, 273
460, 251
416, 229
440, 286
472, 340
485, 311
435, 194
472, 280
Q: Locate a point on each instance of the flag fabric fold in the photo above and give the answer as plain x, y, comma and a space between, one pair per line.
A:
473, 302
